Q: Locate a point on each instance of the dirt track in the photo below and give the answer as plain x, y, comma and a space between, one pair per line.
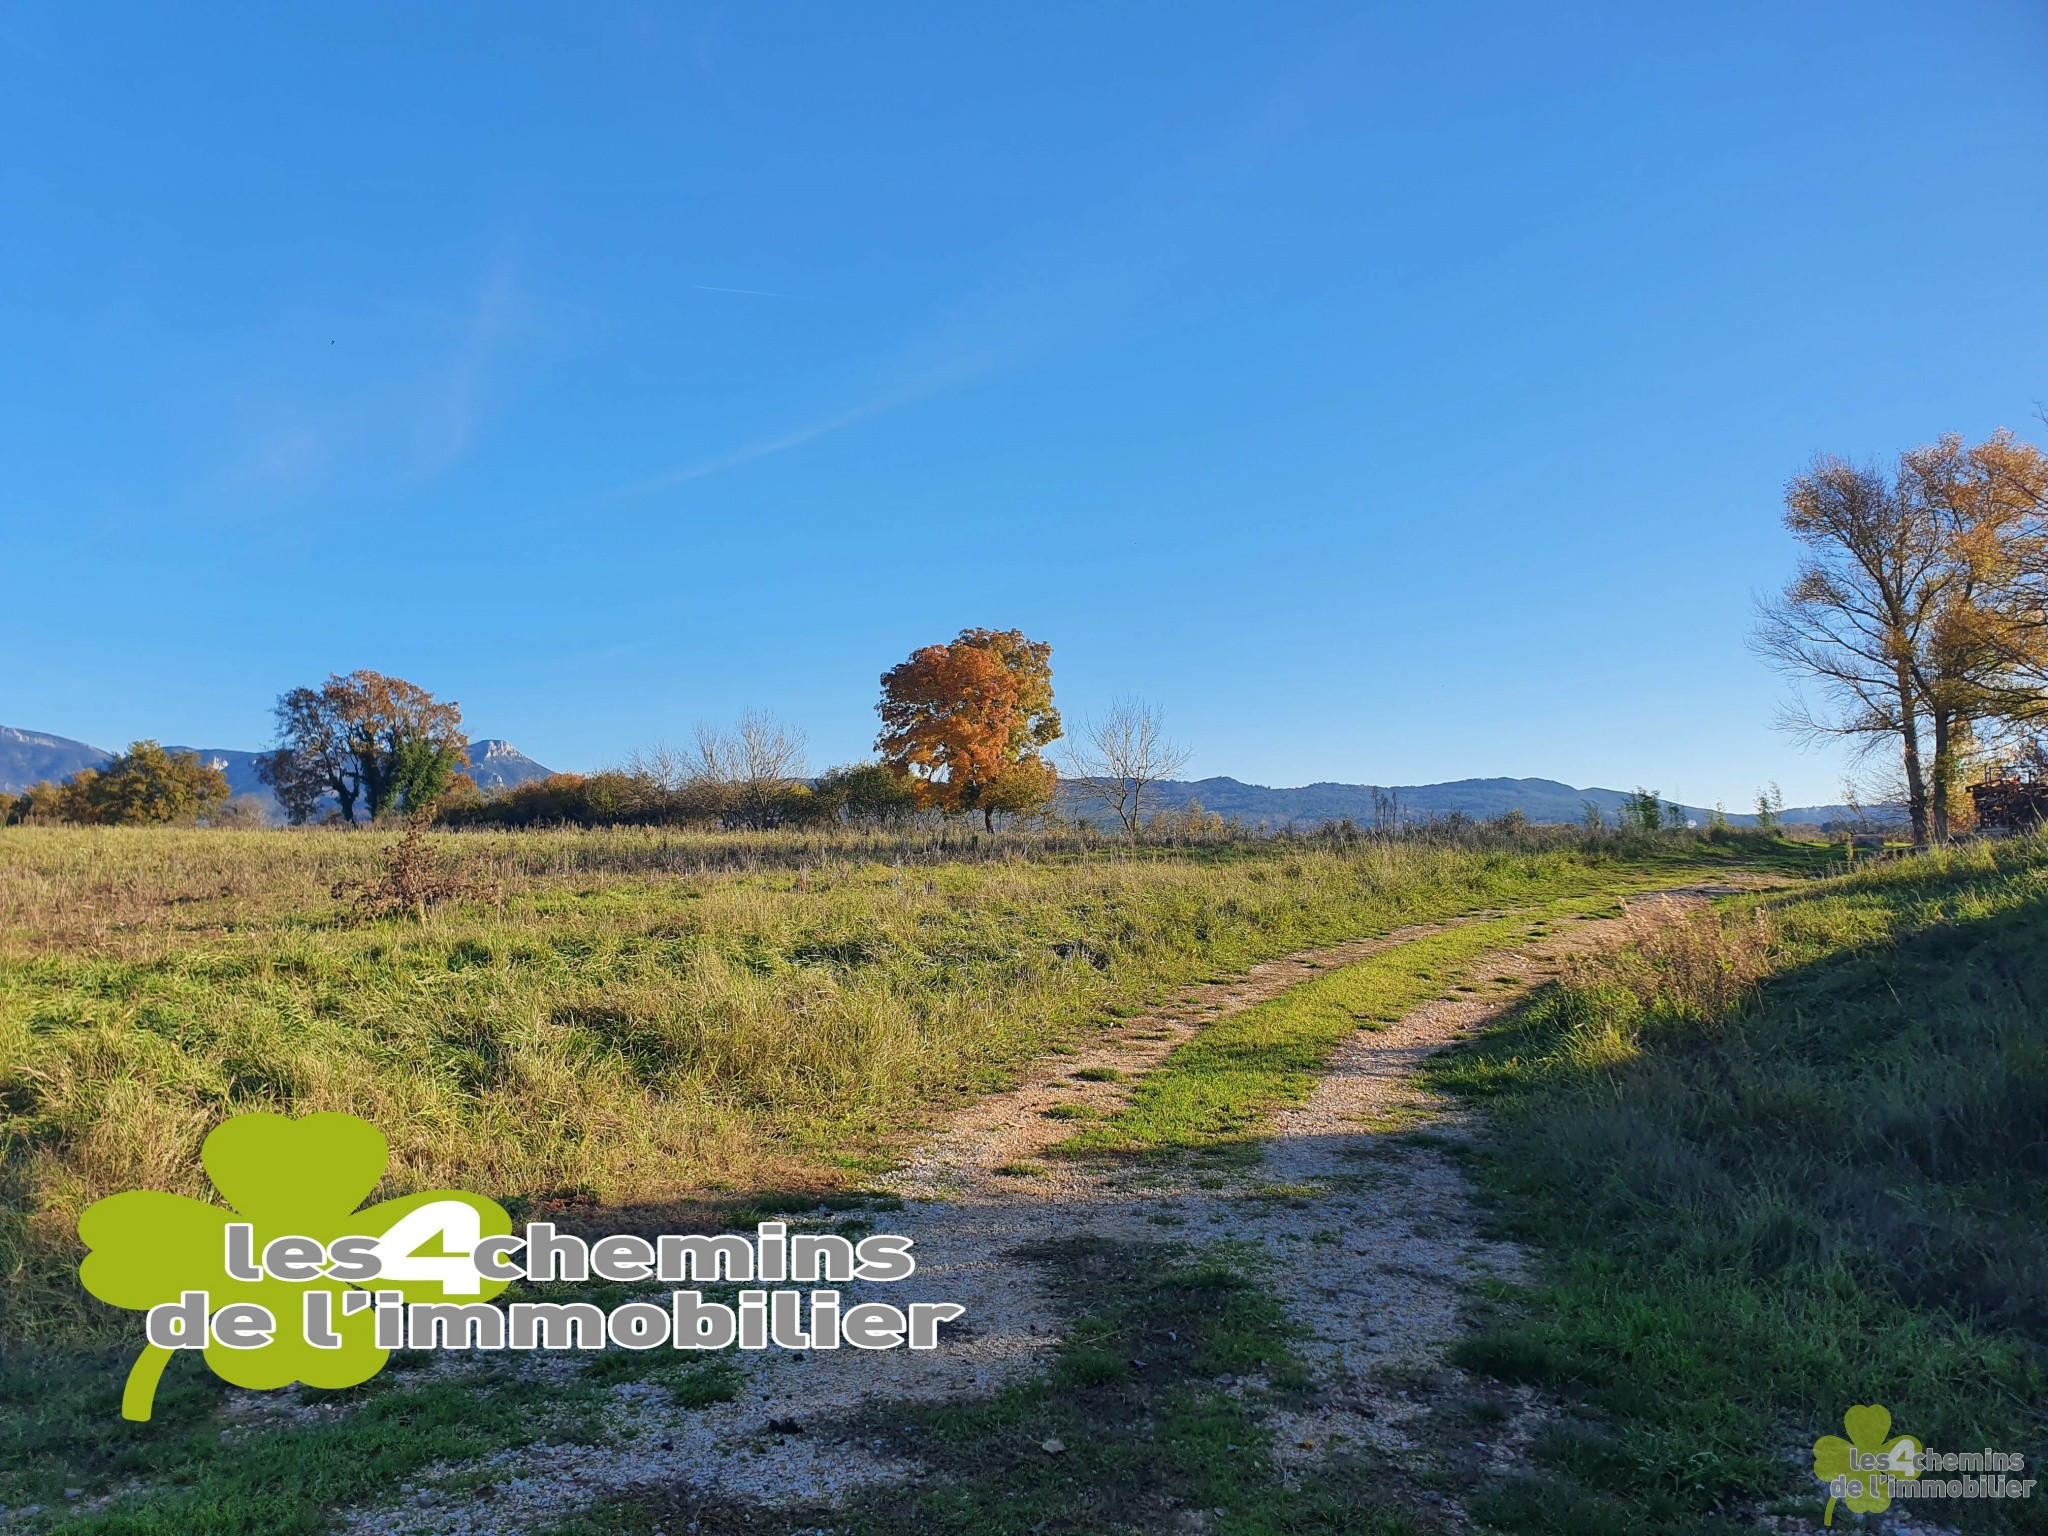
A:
1369, 1238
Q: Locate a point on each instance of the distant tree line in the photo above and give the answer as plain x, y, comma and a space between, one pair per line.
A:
864, 794
144, 786
965, 727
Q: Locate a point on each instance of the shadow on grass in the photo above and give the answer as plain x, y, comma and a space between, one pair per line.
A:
1837, 1194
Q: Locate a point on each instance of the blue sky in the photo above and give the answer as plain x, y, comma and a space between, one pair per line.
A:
1391, 393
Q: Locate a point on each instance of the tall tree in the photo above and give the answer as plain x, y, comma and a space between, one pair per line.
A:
1983, 659
966, 723
1993, 500
1034, 722
1923, 600
1860, 610
375, 742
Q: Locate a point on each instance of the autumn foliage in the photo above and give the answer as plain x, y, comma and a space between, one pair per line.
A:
144, 786
965, 722
363, 739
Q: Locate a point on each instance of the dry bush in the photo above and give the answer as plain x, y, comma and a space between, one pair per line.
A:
411, 877
1683, 960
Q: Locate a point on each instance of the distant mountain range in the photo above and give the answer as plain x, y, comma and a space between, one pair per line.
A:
29, 757
1541, 800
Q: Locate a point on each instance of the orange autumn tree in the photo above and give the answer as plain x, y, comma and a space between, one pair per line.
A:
965, 722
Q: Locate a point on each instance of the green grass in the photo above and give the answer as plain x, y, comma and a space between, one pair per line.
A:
640, 1017
205, 1476
1756, 1213
1220, 1084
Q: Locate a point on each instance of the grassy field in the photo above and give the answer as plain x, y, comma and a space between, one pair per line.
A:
1782, 1159
637, 1018
623, 1017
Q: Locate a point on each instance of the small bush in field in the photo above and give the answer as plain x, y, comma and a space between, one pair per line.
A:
412, 877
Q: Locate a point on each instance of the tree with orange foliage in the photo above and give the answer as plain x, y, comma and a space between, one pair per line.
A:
965, 723
364, 738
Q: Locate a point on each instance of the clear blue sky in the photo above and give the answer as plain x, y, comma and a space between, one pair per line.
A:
1392, 393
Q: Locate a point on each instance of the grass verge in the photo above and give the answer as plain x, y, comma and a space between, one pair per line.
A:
1779, 1160
195, 1470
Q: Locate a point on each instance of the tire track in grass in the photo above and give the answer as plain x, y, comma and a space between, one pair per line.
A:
1223, 1081
1279, 1083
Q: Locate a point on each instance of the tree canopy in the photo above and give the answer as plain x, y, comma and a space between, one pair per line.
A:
372, 742
1918, 607
144, 786
965, 723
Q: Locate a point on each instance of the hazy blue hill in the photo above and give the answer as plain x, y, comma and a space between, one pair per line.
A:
1543, 800
29, 757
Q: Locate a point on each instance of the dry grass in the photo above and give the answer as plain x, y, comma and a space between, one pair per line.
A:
638, 1016
1683, 960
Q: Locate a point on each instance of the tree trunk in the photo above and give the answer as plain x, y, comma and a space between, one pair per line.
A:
1944, 747
1916, 781
376, 787
988, 817
345, 797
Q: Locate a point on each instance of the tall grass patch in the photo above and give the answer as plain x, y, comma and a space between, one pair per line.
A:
1783, 1158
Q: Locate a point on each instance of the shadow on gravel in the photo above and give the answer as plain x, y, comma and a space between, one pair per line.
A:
1154, 1417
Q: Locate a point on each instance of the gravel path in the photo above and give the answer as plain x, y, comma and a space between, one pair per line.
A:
1370, 1239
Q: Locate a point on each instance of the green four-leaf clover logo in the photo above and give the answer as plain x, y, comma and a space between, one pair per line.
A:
1833, 1457
283, 1178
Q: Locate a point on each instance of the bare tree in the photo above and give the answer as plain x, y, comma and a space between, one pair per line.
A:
1124, 754
752, 769
1860, 611
1386, 810
660, 765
